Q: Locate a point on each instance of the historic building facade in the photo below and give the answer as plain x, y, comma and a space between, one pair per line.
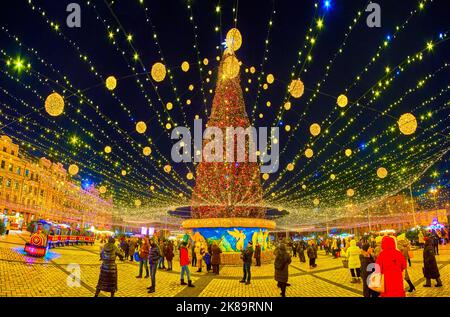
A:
32, 189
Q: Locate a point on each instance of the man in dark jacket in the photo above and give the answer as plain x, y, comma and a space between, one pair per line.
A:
430, 268
246, 257
258, 254
153, 257
301, 252
366, 259
282, 261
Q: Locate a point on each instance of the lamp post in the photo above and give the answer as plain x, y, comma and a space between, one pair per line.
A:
412, 205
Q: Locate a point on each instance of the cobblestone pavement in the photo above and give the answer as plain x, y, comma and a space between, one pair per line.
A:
23, 276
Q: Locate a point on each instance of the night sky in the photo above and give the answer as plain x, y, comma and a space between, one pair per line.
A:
163, 29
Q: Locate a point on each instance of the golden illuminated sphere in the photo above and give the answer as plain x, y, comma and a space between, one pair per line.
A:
191, 87
382, 172
309, 153
332, 176
141, 127
270, 78
261, 116
265, 176
167, 168
205, 61
185, 66
147, 151
230, 67
342, 101
316, 201
287, 105
158, 72
124, 172
152, 188
350, 192
188, 102
265, 86
137, 202
234, 39
73, 169
107, 149
168, 126
314, 129
54, 104
268, 103
290, 167
287, 128
169, 106
407, 123
189, 175
102, 189
303, 186
252, 70
111, 82
348, 152
296, 88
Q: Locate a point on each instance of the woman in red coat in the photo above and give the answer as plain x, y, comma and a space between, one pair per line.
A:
392, 263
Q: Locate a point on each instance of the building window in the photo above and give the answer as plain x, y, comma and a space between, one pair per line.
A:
1, 180
27, 172
16, 185
18, 170
3, 165
10, 167
12, 152
8, 182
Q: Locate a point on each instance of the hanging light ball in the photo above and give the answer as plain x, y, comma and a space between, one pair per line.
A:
290, 167
111, 83
342, 101
316, 201
382, 172
309, 153
189, 176
270, 78
158, 72
141, 127
102, 189
147, 151
265, 176
185, 66
332, 177
407, 123
252, 70
287, 127
167, 168
296, 88
191, 87
124, 172
205, 61
137, 202
314, 129
107, 149
303, 186
152, 188
287, 105
350, 192
230, 67
234, 39
169, 105
168, 126
73, 169
54, 104
348, 152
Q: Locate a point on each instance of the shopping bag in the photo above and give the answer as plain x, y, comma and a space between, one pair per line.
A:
345, 263
376, 282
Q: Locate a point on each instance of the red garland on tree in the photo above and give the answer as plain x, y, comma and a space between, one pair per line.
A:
224, 189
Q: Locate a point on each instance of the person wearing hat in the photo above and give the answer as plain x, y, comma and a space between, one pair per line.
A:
246, 257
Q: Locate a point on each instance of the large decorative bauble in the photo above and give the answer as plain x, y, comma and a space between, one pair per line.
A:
169, 105
152, 188
189, 176
309, 153
290, 167
185, 66
332, 177
107, 149
342, 101
54, 104
147, 151
287, 105
316, 201
137, 202
111, 83
270, 78
158, 72
191, 87
234, 39
407, 123
303, 186
73, 169
230, 67
296, 88
124, 172
141, 127
265, 176
350, 192
382, 172
348, 152
167, 168
205, 61
252, 70
102, 189
314, 129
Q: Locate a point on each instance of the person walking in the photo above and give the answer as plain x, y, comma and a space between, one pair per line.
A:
247, 256
132, 249
125, 248
107, 280
161, 256
144, 252
430, 268
404, 248
435, 243
168, 253
194, 257
207, 259
294, 249
258, 254
301, 252
154, 257
354, 263
312, 254
281, 264
366, 258
184, 263
392, 263
215, 257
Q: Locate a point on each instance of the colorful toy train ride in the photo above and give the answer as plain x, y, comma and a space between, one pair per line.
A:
46, 235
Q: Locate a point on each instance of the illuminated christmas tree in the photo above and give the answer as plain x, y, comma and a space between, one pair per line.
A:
228, 189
